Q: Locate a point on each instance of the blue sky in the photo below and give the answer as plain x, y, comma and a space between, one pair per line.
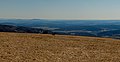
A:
60, 9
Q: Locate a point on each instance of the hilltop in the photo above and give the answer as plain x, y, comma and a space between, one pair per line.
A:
24, 47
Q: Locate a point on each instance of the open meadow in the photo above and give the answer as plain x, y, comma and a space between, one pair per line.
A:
25, 47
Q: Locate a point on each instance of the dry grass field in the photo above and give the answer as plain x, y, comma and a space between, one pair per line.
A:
20, 47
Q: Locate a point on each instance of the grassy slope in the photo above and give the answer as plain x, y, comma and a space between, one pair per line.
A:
18, 47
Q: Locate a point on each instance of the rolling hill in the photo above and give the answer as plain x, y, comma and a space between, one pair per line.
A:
21, 29
24, 47
96, 28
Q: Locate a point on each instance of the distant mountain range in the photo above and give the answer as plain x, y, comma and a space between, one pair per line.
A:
96, 28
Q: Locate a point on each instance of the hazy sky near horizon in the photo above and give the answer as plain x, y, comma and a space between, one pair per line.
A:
60, 9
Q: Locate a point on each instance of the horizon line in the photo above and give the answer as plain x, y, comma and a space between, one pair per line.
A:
56, 19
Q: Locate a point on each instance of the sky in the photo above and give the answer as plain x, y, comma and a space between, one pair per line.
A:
60, 9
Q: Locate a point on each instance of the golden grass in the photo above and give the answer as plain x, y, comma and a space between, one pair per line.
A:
19, 47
